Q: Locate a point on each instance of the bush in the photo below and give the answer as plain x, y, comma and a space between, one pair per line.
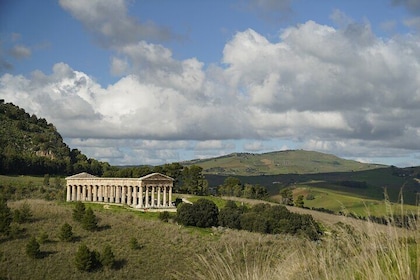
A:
87, 260
32, 248
204, 213
66, 233
89, 220
79, 211
108, 258
5, 217
43, 237
23, 214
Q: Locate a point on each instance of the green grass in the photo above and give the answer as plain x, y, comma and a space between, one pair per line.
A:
337, 201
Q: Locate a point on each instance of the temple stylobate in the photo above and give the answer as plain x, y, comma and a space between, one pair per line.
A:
150, 191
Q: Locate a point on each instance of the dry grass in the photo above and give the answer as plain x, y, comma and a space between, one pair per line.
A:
367, 252
169, 251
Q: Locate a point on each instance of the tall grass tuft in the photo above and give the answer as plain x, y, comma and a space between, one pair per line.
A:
364, 250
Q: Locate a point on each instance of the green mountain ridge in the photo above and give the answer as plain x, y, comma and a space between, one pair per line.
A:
31, 145
278, 162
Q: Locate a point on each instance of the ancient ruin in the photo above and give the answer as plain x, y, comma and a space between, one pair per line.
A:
150, 191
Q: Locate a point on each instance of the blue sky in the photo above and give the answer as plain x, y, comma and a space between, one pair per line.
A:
150, 82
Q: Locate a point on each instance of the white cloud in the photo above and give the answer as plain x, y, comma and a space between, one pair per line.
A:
342, 90
111, 25
20, 51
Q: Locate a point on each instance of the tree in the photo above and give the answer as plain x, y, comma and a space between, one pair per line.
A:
206, 213
299, 201
90, 221
66, 233
46, 179
83, 259
193, 180
79, 211
107, 257
287, 196
32, 248
229, 216
5, 217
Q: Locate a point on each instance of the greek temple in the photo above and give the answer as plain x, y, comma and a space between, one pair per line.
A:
150, 191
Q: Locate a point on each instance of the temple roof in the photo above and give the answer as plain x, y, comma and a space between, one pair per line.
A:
156, 176
83, 175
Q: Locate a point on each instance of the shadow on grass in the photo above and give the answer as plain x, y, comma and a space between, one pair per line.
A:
102, 228
118, 264
44, 254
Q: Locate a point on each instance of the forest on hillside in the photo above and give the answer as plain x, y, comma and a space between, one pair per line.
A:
32, 146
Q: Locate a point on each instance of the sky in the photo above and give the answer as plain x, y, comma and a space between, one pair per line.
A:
153, 82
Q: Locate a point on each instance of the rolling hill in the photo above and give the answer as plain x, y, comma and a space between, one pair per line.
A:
280, 162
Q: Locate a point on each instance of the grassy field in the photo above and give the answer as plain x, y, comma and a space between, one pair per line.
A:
339, 201
170, 251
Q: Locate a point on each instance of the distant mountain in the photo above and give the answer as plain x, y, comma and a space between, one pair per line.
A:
31, 145
281, 162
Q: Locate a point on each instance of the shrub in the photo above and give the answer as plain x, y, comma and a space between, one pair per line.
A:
87, 260
43, 237
66, 233
79, 211
134, 244
89, 220
107, 257
5, 217
32, 248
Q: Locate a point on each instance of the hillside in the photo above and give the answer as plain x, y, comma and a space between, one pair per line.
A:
31, 145
281, 162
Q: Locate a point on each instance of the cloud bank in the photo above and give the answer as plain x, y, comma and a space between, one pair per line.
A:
339, 90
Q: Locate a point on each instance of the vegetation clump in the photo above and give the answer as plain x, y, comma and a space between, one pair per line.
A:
33, 248
66, 233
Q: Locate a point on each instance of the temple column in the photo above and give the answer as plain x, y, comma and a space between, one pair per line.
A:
123, 196
147, 197
165, 203
95, 193
118, 194
89, 193
68, 193
141, 197
170, 195
129, 194
135, 195
153, 196
100, 193
78, 192
158, 196
73, 193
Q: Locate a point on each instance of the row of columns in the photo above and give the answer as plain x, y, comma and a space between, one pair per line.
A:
136, 196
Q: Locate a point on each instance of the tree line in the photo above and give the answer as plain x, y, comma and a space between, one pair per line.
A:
262, 218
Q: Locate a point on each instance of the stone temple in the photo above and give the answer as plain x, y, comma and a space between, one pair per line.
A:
150, 191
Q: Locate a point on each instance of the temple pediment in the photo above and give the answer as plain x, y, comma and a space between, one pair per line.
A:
83, 175
156, 177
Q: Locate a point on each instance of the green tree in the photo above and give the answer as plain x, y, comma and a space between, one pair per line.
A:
83, 259
206, 213
299, 201
287, 196
229, 216
5, 217
32, 248
79, 211
90, 221
193, 180
107, 257
66, 233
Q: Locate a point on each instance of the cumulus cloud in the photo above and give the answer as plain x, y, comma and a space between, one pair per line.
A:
20, 51
271, 10
334, 89
412, 6
111, 25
